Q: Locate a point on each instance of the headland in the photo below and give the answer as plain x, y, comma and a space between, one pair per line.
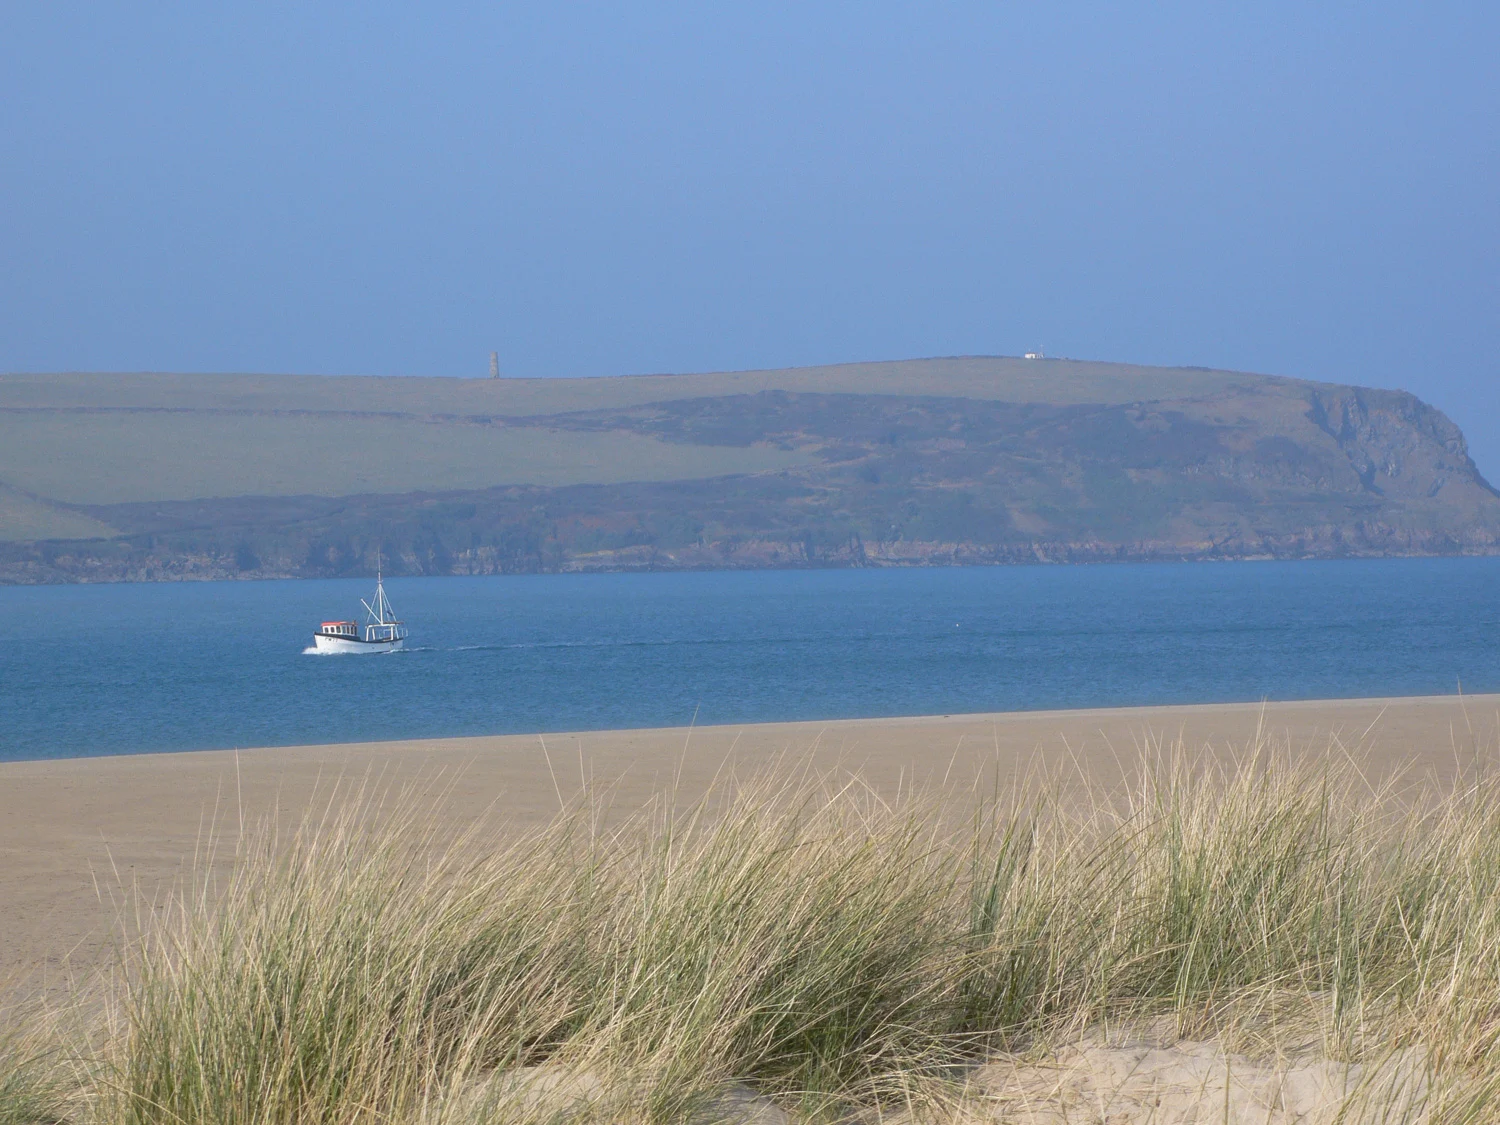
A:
978, 460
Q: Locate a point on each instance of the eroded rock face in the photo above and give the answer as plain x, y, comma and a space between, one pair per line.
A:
1396, 444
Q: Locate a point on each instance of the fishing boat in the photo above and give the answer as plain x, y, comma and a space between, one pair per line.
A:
381, 632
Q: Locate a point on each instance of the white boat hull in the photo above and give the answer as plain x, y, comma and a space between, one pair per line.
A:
381, 632
322, 643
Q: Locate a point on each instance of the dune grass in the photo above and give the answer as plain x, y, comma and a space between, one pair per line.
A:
805, 938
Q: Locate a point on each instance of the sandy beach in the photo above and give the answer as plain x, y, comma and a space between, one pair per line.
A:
74, 832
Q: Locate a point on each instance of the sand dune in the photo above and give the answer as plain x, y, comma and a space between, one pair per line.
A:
79, 838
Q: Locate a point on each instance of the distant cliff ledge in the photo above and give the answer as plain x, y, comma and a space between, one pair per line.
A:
973, 460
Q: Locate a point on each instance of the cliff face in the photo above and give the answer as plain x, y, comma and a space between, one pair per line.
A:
1396, 444
1242, 468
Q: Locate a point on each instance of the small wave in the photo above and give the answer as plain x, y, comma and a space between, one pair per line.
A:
687, 642
530, 645
670, 642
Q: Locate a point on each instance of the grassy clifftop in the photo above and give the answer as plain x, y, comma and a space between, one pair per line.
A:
105, 439
1000, 378
930, 461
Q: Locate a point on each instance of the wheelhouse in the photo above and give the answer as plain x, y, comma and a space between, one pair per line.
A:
385, 631
340, 629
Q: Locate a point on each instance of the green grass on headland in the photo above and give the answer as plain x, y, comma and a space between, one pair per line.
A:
110, 458
996, 378
100, 439
832, 949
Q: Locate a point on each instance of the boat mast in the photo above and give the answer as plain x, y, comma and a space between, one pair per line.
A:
382, 607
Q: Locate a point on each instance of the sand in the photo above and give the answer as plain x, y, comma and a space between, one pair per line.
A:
75, 832
1139, 1076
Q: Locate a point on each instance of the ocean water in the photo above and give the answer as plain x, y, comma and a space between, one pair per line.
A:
124, 668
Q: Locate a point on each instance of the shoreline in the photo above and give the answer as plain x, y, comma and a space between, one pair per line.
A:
77, 833
1068, 716
20, 569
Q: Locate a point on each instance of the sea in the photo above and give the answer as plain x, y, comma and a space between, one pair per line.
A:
118, 669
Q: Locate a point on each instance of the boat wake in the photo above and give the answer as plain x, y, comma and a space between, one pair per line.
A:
314, 650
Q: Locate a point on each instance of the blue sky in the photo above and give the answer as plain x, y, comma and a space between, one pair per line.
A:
603, 189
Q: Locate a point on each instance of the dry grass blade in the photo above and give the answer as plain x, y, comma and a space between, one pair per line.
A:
798, 946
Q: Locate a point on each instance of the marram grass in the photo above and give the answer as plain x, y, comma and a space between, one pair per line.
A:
806, 938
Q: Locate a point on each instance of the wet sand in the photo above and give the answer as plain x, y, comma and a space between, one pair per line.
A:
74, 832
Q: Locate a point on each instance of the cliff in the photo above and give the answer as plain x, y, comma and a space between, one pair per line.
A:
920, 463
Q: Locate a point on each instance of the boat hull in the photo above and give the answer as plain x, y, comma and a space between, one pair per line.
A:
322, 643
